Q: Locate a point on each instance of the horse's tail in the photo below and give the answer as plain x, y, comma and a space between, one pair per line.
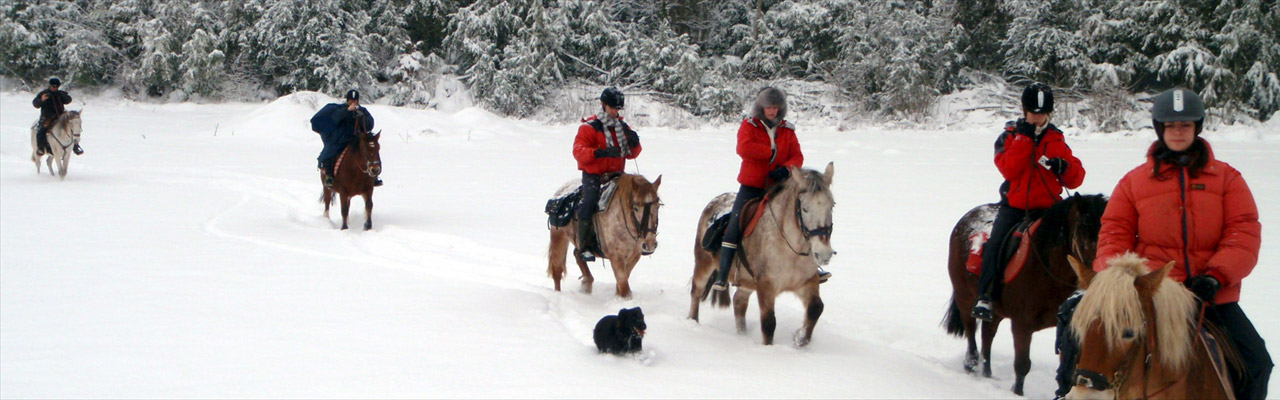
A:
952, 319
721, 298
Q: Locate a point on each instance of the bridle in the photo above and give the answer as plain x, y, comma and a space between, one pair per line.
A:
1096, 381
821, 231
75, 136
369, 165
642, 226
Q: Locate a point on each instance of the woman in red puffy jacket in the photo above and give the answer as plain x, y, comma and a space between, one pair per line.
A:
768, 146
1186, 206
1036, 163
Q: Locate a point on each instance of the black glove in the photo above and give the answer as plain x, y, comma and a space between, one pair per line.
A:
779, 174
1025, 128
608, 152
633, 139
1204, 286
1057, 165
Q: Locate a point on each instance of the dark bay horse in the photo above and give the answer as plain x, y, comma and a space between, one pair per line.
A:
1031, 300
792, 238
1139, 337
358, 167
627, 229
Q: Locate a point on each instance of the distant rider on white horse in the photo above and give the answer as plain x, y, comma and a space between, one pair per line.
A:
52, 103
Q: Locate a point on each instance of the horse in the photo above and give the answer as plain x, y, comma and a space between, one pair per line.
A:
1139, 339
1031, 299
358, 167
627, 229
63, 135
782, 254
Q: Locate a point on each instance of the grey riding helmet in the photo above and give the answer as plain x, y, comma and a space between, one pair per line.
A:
1177, 104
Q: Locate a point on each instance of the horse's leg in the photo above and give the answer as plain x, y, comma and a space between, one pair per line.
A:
740, 299
556, 252
813, 310
768, 321
368, 210
622, 274
346, 207
988, 334
586, 278
63, 162
702, 267
971, 359
1021, 354
48, 161
326, 197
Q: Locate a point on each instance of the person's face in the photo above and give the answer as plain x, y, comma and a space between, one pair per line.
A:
1036, 119
353, 102
613, 112
1178, 135
54, 87
771, 112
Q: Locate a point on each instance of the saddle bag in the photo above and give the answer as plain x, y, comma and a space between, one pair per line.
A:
715, 233
560, 210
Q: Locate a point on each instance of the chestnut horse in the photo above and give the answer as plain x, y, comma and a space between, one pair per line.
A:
1031, 300
627, 229
358, 167
1139, 339
782, 254
63, 135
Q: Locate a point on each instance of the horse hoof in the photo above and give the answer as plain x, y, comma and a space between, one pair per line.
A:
799, 339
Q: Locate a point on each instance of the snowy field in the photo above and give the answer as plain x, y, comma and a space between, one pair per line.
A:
185, 255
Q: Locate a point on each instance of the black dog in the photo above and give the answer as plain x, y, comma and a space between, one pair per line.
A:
622, 333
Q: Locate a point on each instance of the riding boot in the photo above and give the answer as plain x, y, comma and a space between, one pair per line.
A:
327, 170
79, 150
586, 231
377, 182
982, 310
42, 142
727, 252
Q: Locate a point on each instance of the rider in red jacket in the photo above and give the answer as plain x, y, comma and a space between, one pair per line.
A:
768, 146
1036, 163
603, 145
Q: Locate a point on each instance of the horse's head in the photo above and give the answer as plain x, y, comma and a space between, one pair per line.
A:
372, 153
644, 203
814, 203
1128, 321
1073, 222
70, 120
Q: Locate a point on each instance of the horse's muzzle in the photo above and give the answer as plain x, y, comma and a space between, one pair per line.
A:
375, 169
646, 249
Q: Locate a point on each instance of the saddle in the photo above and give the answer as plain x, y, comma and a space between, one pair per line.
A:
714, 234
1013, 253
562, 207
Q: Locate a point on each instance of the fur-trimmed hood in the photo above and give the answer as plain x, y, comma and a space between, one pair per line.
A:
770, 96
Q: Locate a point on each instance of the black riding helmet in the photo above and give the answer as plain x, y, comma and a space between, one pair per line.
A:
353, 95
55, 82
1177, 104
612, 97
1037, 98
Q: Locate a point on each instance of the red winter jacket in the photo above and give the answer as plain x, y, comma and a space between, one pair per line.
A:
758, 158
1146, 215
1031, 186
590, 139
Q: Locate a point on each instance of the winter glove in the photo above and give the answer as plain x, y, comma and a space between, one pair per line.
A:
1025, 128
1057, 165
633, 139
609, 152
779, 174
1204, 286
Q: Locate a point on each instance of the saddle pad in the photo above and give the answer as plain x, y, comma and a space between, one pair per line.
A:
1019, 259
755, 208
563, 205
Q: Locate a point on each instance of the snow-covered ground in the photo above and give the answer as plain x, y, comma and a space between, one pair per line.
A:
185, 255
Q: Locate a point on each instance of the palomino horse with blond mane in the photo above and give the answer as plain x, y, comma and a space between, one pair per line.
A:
781, 254
63, 135
627, 229
1139, 338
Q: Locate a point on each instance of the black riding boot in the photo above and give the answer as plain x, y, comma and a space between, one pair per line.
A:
79, 150
327, 169
42, 141
586, 231
727, 252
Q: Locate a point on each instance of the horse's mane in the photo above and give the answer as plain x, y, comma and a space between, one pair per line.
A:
812, 182
1053, 225
627, 185
1113, 301
65, 117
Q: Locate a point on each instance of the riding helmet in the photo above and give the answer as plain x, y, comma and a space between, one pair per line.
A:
1037, 98
55, 82
612, 97
353, 95
1177, 104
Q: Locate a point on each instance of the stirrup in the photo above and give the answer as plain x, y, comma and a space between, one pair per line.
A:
719, 286
823, 275
78, 150
586, 255
328, 181
982, 310
377, 182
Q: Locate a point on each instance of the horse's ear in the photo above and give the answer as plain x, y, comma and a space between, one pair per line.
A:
1147, 284
829, 173
1084, 274
657, 182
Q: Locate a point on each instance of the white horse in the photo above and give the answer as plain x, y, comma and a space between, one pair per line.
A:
792, 238
63, 135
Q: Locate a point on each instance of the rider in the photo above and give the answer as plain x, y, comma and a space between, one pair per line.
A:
768, 146
602, 144
52, 103
1186, 206
341, 132
1036, 163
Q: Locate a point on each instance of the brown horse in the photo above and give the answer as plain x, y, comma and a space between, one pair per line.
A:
1138, 337
358, 167
627, 229
792, 238
1031, 300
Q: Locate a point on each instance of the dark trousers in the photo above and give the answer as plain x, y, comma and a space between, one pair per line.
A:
1065, 345
330, 154
992, 265
733, 232
1250, 384
42, 139
589, 203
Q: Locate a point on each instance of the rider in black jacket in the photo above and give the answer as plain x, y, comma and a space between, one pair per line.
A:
52, 103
